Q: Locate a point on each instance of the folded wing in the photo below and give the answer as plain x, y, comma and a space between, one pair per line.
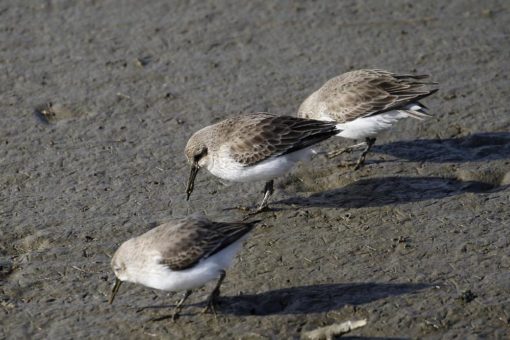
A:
270, 135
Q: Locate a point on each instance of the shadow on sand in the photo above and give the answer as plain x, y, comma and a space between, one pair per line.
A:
314, 298
475, 147
301, 300
380, 191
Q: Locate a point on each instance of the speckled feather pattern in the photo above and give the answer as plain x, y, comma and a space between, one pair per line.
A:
182, 243
364, 93
255, 137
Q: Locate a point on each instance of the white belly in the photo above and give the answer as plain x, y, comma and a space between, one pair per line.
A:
161, 277
370, 126
226, 168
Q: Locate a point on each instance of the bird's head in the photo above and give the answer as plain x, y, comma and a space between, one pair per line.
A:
197, 153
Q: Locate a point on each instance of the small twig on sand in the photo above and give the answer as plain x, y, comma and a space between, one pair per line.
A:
328, 332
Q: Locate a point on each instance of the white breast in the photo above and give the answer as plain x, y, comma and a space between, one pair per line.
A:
223, 166
161, 277
370, 126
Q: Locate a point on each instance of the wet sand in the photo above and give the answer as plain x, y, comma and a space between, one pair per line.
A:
417, 241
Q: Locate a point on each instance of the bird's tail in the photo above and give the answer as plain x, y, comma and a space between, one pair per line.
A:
416, 110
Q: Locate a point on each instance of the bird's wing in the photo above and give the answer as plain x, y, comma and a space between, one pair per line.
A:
196, 239
365, 93
268, 135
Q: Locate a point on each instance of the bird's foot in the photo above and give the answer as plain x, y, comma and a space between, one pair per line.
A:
349, 149
256, 212
174, 316
336, 153
212, 302
359, 163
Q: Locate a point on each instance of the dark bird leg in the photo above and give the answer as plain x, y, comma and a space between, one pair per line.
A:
213, 297
348, 149
178, 307
361, 160
264, 205
268, 191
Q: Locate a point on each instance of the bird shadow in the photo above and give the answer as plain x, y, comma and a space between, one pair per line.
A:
475, 147
313, 298
305, 299
380, 191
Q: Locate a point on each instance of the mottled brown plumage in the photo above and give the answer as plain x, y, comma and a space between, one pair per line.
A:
197, 239
180, 255
254, 147
254, 137
270, 135
182, 243
367, 102
364, 93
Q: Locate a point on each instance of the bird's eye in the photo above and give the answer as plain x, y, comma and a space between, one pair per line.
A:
201, 154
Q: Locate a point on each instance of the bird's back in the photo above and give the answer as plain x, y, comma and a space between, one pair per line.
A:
363, 93
183, 243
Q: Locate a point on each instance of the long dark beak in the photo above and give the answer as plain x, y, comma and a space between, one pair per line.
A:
191, 181
115, 290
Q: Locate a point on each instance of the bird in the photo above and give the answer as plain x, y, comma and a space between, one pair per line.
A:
181, 254
366, 102
254, 147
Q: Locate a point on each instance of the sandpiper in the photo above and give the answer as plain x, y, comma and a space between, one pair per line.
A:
254, 147
367, 102
180, 255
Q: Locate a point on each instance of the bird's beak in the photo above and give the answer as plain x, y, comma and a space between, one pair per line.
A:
115, 289
191, 181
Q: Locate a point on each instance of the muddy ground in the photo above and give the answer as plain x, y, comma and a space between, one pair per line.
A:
417, 241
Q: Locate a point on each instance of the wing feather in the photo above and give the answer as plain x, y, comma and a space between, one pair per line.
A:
198, 239
271, 135
364, 93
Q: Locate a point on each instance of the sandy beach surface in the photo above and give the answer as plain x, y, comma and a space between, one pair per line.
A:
98, 99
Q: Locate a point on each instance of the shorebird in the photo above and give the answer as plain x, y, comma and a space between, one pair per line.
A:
180, 255
366, 102
254, 147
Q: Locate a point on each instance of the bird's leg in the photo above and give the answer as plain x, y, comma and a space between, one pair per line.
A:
212, 299
268, 191
178, 307
264, 206
361, 160
348, 149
